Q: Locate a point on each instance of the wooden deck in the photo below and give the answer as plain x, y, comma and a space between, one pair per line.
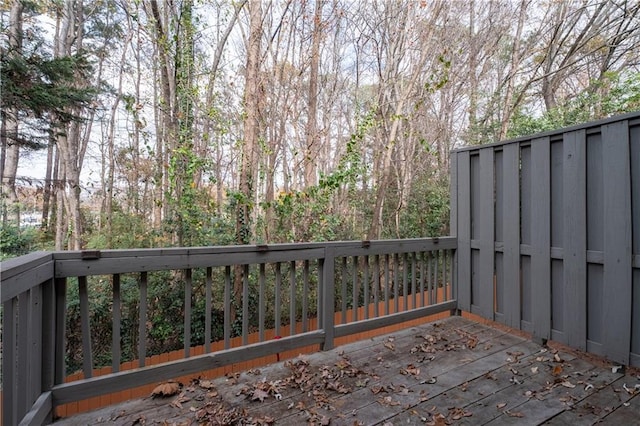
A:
453, 371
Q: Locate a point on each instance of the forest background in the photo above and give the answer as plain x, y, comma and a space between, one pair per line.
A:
204, 122
220, 122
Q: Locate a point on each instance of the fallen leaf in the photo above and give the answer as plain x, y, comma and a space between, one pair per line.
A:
514, 414
568, 384
259, 394
557, 358
501, 405
557, 370
166, 389
534, 370
390, 346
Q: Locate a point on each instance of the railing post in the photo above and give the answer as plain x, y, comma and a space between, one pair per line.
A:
327, 289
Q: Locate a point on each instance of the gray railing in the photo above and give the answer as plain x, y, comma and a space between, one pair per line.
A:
315, 291
548, 231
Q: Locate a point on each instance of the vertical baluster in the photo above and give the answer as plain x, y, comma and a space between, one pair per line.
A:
278, 298
429, 276
305, 296
9, 372
355, 290
396, 282
187, 313
445, 288
35, 342
413, 280
405, 280
343, 290
365, 282
261, 302
208, 309
292, 298
23, 350
227, 306
387, 281
376, 285
87, 360
115, 330
48, 334
452, 290
61, 317
436, 275
245, 304
142, 323
422, 255
319, 311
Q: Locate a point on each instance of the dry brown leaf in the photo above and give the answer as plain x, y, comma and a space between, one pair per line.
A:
390, 346
166, 389
259, 395
514, 414
557, 370
501, 405
568, 384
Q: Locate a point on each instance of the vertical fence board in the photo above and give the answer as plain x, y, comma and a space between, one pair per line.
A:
485, 232
541, 237
575, 241
60, 320
22, 366
634, 146
511, 234
463, 221
48, 335
261, 302
617, 241
9, 370
35, 343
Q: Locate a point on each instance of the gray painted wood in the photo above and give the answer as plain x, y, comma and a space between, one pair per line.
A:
75, 391
48, 335
245, 304
453, 220
40, 413
115, 325
354, 287
261, 302
18, 283
35, 341
328, 280
463, 253
292, 297
227, 305
541, 238
85, 323
617, 308
391, 319
366, 284
305, 296
575, 241
208, 306
188, 284
343, 291
22, 365
9, 355
486, 233
60, 327
511, 234
142, 324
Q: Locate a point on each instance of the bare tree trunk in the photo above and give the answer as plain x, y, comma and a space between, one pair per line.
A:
10, 145
313, 143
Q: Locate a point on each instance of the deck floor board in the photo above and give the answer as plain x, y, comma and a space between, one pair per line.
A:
453, 371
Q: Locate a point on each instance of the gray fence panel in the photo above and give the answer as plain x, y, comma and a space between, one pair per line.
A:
554, 235
595, 241
541, 237
463, 221
575, 241
486, 234
617, 241
634, 146
511, 234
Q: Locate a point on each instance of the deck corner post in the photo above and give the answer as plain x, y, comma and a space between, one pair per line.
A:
327, 289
